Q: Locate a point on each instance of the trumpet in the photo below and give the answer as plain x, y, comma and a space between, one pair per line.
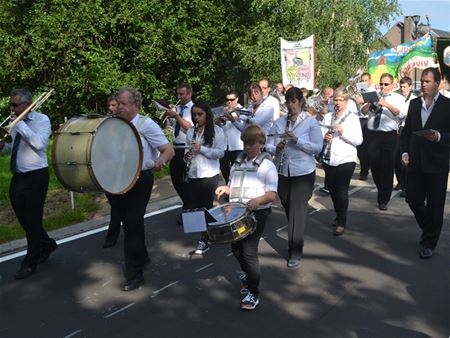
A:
161, 120
5, 132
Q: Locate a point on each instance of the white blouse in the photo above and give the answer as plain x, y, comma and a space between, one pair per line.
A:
299, 157
205, 163
343, 147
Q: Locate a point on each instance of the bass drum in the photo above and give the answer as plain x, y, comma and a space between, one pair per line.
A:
97, 154
233, 223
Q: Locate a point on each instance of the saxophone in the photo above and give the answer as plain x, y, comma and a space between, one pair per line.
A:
189, 155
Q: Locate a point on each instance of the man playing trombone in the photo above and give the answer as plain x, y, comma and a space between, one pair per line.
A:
29, 184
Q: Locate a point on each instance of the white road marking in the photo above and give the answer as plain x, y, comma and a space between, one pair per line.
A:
231, 254
314, 211
72, 334
355, 189
204, 267
118, 311
283, 227
87, 233
156, 292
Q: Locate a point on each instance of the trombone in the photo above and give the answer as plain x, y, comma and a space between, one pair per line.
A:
5, 132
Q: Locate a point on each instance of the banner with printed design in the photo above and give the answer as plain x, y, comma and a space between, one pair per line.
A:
298, 62
399, 61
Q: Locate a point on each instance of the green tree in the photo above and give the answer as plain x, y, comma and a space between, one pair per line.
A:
86, 49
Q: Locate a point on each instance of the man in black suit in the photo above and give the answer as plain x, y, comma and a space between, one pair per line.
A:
425, 144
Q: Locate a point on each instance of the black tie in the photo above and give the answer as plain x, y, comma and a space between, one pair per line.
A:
376, 121
15, 148
177, 126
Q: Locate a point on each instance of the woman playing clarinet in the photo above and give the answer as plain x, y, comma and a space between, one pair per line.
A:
207, 145
341, 137
297, 139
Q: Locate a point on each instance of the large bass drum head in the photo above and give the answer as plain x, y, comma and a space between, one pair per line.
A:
116, 156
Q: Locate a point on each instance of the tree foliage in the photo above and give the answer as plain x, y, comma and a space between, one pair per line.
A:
86, 49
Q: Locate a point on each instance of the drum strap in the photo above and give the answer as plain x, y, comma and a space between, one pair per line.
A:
238, 167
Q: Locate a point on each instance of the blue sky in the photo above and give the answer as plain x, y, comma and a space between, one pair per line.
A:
438, 12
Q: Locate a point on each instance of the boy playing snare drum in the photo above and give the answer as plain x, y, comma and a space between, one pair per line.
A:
253, 181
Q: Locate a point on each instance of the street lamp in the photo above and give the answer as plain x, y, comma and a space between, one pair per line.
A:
415, 19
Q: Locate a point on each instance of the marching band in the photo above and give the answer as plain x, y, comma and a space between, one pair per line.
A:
261, 152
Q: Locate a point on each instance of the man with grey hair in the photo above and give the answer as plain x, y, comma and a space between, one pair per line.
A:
29, 183
132, 205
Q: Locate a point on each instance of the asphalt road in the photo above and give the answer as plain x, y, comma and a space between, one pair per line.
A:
367, 283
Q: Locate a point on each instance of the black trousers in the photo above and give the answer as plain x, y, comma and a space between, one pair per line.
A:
114, 222
363, 152
382, 146
246, 252
27, 192
294, 193
177, 168
200, 193
338, 182
425, 194
400, 170
131, 206
227, 161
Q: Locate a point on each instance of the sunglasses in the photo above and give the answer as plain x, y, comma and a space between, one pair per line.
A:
385, 84
231, 99
15, 105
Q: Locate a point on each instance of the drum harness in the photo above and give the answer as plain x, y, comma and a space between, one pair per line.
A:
237, 165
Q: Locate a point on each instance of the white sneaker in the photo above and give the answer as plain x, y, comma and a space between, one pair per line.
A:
201, 248
249, 302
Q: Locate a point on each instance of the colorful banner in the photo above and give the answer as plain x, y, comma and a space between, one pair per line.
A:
399, 61
298, 62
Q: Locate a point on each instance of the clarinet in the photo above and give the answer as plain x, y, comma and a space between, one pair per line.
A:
282, 154
189, 155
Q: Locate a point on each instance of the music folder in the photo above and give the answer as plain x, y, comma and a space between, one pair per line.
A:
370, 97
196, 220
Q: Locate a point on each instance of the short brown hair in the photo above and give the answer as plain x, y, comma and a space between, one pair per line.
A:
253, 133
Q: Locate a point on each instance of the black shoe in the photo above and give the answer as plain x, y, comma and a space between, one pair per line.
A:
108, 243
133, 284
382, 206
426, 253
24, 272
45, 253
339, 231
324, 190
293, 263
180, 220
403, 193
363, 177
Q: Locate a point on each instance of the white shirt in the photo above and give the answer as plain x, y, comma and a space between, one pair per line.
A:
152, 137
343, 147
275, 104
263, 117
407, 102
232, 135
388, 120
299, 157
425, 112
205, 163
181, 138
255, 183
35, 130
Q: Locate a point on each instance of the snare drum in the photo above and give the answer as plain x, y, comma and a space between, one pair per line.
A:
97, 154
234, 222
